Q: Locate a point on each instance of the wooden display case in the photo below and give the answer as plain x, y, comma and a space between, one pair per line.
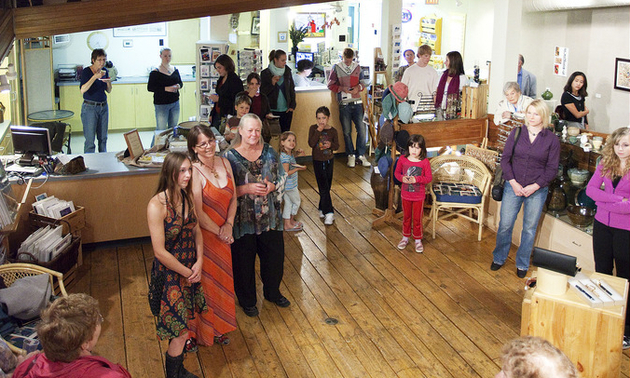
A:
590, 337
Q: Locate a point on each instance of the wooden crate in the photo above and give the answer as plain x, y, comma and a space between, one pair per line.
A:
73, 222
475, 102
590, 337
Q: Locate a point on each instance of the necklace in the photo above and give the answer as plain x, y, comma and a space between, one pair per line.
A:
211, 168
166, 68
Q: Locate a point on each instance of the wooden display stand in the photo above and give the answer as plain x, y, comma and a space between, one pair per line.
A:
475, 102
590, 337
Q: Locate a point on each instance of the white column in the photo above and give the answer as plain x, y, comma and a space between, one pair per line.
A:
506, 44
391, 15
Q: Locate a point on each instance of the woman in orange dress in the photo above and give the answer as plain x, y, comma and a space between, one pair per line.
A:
213, 193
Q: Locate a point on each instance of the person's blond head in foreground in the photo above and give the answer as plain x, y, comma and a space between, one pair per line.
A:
534, 357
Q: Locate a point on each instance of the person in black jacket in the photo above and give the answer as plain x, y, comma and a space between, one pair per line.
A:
165, 84
228, 87
277, 84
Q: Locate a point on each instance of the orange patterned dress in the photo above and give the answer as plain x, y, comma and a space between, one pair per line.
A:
217, 278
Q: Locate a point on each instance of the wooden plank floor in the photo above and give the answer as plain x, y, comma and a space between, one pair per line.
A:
442, 313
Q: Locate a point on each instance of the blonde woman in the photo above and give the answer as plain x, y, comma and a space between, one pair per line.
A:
528, 171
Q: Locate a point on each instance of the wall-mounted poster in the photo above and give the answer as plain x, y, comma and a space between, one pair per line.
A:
315, 23
560, 61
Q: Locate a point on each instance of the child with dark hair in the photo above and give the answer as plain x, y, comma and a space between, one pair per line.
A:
414, 171
291, 196
323, 139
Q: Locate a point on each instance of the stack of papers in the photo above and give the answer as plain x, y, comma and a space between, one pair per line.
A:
52, 207
45, 244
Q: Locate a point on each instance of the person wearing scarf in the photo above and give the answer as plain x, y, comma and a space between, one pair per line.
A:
453, 76
277, 84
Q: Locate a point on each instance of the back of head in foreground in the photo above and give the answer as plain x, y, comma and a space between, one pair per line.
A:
534, 357
68, 327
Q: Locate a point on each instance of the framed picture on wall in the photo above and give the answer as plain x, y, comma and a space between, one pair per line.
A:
255, 26
622, 74
282, 37
315, 23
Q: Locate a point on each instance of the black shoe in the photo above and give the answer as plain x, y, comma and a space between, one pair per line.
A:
251, 311
281, 302
521, 273
626, 342
495, 266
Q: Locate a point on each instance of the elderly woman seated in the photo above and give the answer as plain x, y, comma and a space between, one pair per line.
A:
515, 102
68, 331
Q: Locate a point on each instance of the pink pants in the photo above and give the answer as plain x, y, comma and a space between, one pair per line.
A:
412, 210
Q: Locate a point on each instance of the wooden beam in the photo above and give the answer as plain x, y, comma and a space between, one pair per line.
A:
6, 32
104, 14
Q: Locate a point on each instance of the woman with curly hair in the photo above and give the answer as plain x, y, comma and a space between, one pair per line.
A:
610, 188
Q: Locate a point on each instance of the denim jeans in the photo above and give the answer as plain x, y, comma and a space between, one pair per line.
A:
510, 206
353, 113
95, 119
166, 117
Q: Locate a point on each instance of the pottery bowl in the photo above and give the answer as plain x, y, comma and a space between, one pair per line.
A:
578, 176
580, 216
573, 131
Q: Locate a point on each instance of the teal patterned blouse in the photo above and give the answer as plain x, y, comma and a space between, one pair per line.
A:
257, 214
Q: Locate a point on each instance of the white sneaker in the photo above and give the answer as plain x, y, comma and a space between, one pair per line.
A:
364, 161
351, 159
321, 214
330, 218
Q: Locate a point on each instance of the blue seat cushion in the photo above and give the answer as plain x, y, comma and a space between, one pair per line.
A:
459, 193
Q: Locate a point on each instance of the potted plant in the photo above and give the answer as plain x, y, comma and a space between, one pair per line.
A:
297, 35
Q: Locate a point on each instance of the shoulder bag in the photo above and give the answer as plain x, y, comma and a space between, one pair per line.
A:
499, 181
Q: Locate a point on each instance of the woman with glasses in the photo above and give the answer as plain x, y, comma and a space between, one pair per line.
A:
215, 197
259, 179
68, 331
178, 248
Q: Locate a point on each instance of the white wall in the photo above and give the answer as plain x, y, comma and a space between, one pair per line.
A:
595, 37
133, 61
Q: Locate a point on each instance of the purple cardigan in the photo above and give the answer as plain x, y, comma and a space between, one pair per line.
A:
532, 162
612, 210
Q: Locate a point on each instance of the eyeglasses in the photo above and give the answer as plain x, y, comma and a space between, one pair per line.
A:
206, 144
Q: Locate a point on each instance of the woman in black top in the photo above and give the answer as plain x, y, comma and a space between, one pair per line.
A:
573, 100
228, 87
165, 84
277, 84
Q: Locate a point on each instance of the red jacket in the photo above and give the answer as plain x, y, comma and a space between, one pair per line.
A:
38, 366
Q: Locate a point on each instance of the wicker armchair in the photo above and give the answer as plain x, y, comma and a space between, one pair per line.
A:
13, 272
460, 184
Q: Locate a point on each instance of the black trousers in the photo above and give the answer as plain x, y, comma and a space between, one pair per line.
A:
285, 120
324, 176
611, 246
269, 246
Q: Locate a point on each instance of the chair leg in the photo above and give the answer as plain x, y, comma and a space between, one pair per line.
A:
434, 214
480, 224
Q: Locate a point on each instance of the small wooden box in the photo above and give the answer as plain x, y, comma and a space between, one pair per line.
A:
590, 337
73, 222
475, 102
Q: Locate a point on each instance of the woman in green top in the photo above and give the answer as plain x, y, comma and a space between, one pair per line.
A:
259, 178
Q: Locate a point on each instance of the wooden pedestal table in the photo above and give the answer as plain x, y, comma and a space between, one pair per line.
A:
590, 337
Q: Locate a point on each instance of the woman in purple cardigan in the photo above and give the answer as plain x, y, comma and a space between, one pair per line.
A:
527, 172
611, 231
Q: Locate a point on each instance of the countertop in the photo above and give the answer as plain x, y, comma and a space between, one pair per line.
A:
125, 80
101, 165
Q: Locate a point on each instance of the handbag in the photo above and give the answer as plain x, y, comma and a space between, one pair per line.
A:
158, 277
499, 182
555, 261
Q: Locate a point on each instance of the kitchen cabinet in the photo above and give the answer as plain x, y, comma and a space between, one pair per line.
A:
131, 107
71, 98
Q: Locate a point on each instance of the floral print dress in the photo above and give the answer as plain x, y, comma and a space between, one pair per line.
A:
180, 299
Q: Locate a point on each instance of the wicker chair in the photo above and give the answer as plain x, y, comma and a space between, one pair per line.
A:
461, 174
13, 272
